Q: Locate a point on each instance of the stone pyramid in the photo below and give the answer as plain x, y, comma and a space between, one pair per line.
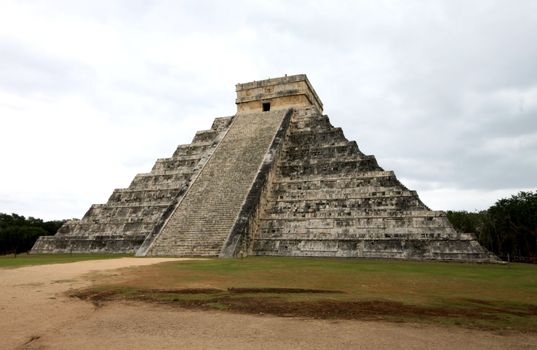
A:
275, 179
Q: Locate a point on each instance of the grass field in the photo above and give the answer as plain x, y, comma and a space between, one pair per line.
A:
42, 259
498, 297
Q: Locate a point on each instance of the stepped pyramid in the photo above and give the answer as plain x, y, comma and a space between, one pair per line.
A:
275, 179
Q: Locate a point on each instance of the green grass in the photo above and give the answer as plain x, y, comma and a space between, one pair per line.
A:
43, 259
472, 295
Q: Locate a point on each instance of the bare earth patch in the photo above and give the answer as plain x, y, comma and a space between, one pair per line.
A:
38, 314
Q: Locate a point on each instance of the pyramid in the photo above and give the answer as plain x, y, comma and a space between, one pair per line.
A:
274, 179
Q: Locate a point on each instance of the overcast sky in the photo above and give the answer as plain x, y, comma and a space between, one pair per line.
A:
92, 92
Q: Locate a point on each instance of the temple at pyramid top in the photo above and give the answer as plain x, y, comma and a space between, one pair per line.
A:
277, 178
278, 93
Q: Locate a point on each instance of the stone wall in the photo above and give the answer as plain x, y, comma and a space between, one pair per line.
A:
283, 93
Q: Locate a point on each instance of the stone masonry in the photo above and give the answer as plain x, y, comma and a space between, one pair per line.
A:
275, 179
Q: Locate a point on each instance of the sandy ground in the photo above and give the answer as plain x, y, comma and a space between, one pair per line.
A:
36, 314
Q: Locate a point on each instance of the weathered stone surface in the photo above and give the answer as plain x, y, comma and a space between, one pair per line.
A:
275, 179
329, 199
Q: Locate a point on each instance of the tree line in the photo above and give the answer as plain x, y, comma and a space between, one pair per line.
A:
508, 228
18, 234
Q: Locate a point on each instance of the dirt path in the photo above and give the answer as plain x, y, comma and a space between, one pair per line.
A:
35, 314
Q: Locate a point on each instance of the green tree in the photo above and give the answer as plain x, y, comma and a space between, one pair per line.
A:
18, 234
510, 226
467, 222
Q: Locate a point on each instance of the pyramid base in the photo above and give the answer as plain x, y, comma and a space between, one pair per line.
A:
85, 244
431, 250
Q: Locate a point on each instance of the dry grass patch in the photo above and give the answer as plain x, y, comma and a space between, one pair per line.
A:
482, 296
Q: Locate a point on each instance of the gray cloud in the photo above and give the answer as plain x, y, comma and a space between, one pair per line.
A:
26, 71
442, 92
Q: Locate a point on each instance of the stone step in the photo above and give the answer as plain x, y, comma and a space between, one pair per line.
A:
346, 206
418, 249
138, 205
192, 150
340, 149
111, 227
356, 221
300, 137
329, 168
339, 164
373, 184
353, 160
205, 136
122, 212
335, 195
161, 179
275, 227
320, 123
222, 123
134, 190
176, 165
143, 196
336, 177
339, 193
319, 204
376, 233
348, 215
110, 230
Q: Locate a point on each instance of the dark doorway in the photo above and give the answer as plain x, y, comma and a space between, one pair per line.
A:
266, 106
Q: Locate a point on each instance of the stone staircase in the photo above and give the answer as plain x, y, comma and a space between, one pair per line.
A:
203, 220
